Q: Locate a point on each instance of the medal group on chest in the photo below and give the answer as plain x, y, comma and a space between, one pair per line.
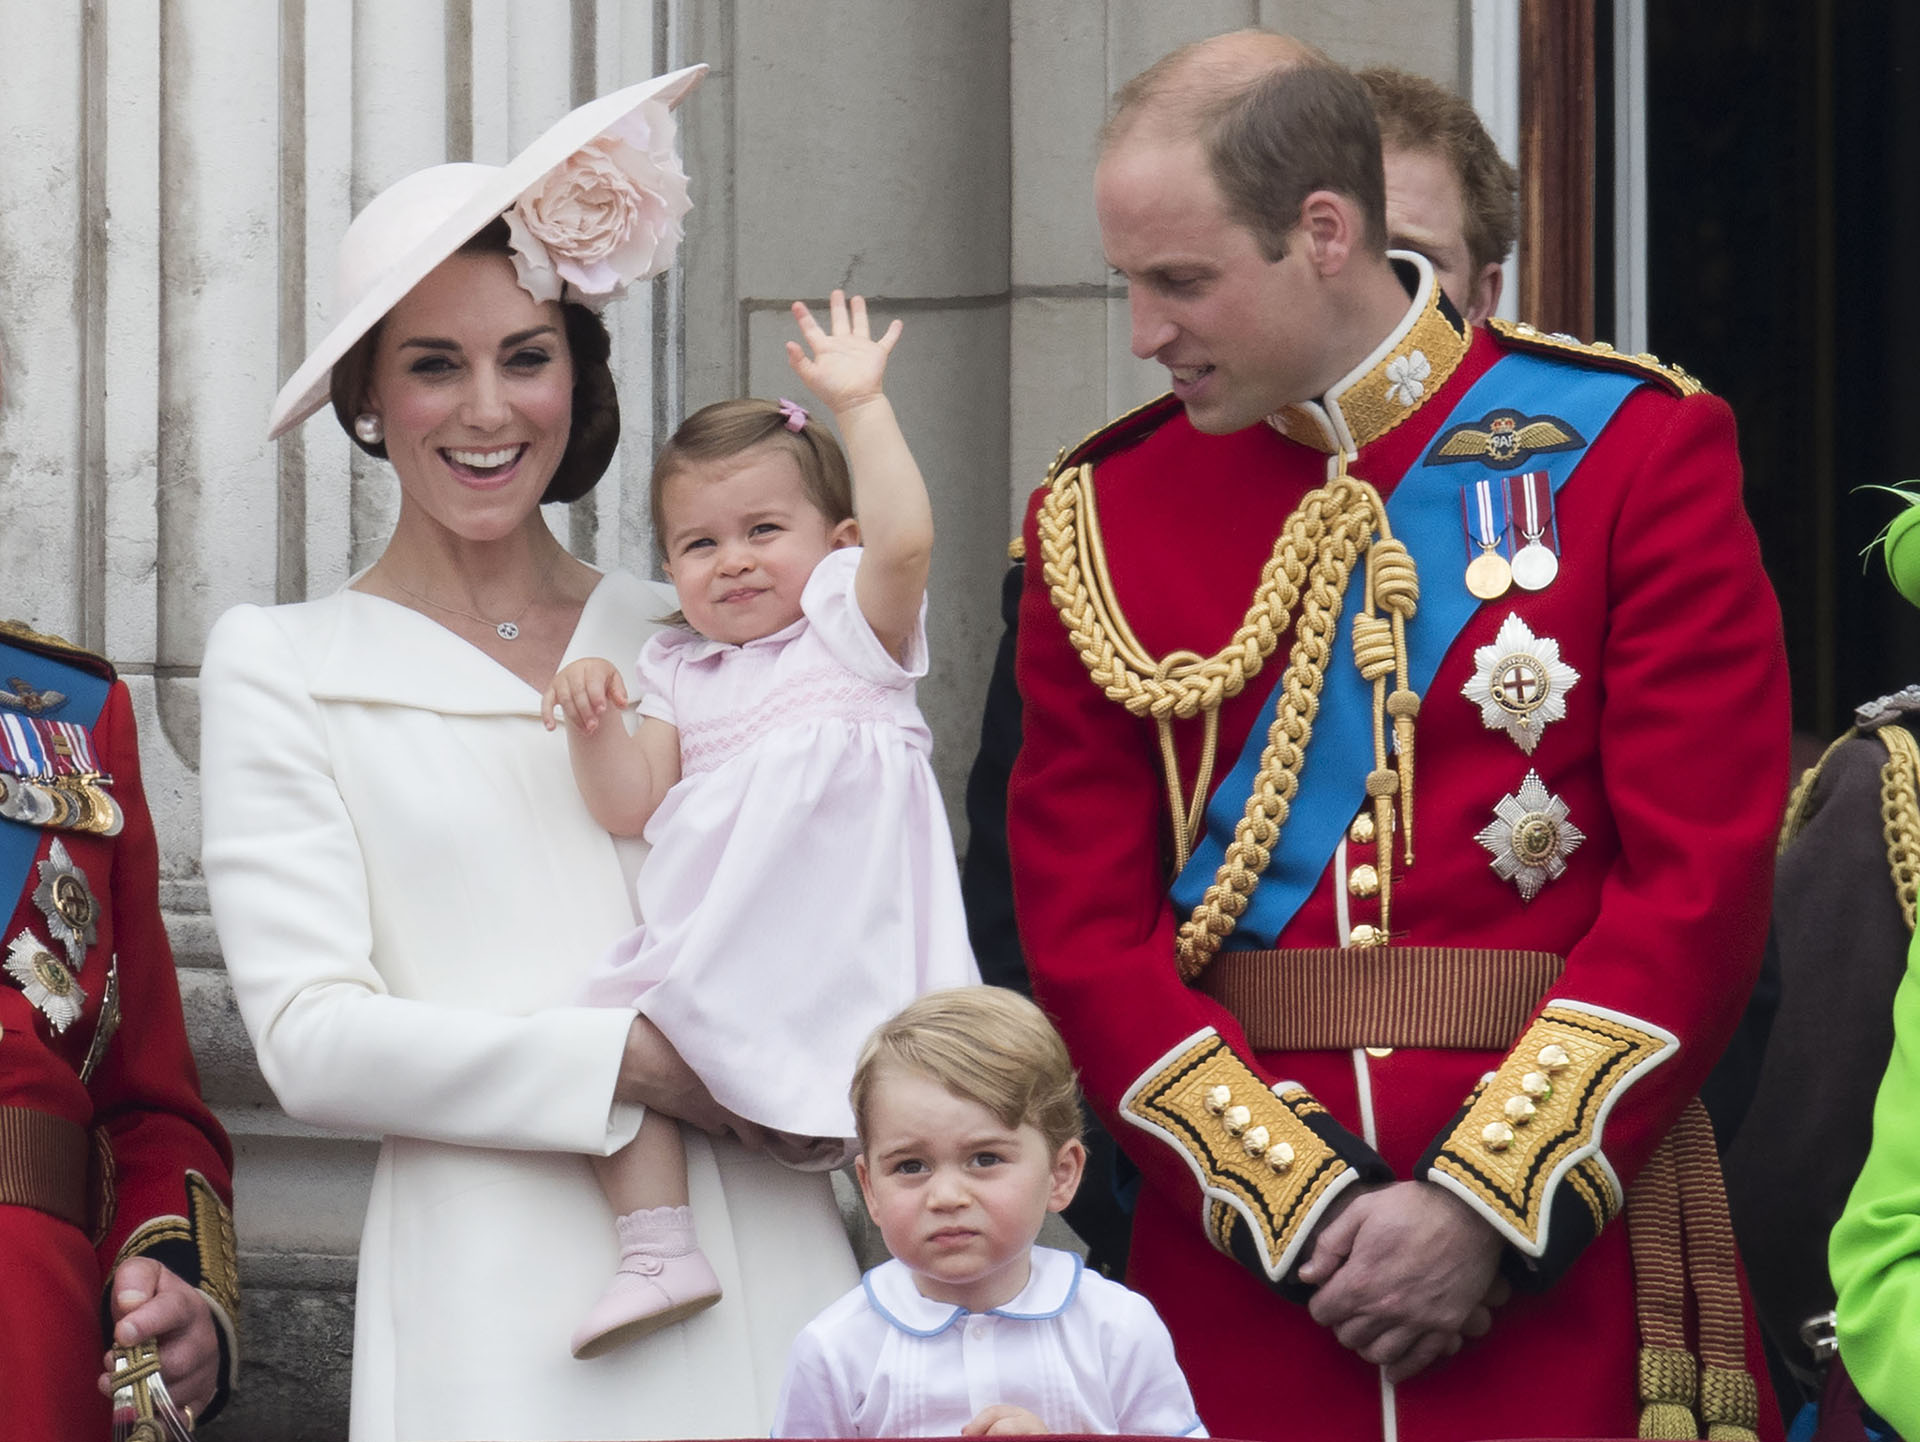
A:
50, 780
1519, 682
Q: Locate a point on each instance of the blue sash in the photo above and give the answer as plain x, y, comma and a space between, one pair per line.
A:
1425, 513
86, 696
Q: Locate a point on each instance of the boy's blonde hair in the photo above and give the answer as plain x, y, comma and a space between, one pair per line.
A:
986, 1044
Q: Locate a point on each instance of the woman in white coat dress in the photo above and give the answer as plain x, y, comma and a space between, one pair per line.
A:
406, 884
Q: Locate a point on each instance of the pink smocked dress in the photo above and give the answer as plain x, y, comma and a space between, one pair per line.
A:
802, 886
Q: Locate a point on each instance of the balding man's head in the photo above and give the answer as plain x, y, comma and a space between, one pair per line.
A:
1277, 121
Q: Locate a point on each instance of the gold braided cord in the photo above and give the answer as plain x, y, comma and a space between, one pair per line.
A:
1796, 814
1179, 684
1311, 564
1900, 815
1333, 526
1899, 810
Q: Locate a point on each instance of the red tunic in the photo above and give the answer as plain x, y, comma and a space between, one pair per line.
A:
170, 1177
1671, 759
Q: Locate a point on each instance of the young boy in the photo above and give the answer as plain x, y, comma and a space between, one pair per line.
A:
970, 1125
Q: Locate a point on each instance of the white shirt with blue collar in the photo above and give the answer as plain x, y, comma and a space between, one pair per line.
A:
1081, 1353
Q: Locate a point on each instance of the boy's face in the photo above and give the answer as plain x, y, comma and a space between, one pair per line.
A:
958, 1195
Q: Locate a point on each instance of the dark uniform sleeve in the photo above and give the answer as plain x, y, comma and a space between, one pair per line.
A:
986, 880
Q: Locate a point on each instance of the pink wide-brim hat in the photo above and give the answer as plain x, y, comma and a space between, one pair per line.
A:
421, 220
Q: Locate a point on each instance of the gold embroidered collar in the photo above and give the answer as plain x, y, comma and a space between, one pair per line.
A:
1411, 364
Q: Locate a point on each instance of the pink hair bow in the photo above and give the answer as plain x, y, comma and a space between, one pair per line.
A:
796, 414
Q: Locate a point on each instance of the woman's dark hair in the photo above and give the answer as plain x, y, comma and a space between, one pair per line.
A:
596, 405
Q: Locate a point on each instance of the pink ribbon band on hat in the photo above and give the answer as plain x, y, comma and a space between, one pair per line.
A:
795, 414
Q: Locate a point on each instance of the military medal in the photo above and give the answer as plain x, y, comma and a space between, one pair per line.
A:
1530, 502
1488, 575
66, 901
1530, 837
52, 778
45, 980
1520, 683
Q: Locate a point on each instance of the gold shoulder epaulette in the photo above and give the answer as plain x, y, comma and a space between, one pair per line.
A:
1521, 336
1121, 431
58, 647
1017, 549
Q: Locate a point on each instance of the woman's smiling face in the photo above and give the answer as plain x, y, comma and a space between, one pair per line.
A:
473, 381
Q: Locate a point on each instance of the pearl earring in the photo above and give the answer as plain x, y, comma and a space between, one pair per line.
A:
369, 428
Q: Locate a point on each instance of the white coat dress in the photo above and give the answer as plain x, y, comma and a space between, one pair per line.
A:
408, 890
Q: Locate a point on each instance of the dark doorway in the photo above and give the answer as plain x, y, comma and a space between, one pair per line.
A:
1783, 214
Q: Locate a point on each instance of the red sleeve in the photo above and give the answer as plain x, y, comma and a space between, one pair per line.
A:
1692, 768
172, 1165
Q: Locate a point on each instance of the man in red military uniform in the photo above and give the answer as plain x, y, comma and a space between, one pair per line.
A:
114, 1176
1405, 734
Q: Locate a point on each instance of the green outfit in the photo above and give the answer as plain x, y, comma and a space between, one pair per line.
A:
1875, 1248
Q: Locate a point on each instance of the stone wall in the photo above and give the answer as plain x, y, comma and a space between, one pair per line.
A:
174, 175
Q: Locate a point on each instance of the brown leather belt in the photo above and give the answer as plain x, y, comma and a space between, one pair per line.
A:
43, 1164
1452, 998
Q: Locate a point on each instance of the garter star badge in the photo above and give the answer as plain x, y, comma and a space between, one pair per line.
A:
45, 980
66, 901
1520, 683
1530, 837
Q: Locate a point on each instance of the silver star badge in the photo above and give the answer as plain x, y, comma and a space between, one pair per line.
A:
66, 901
1530, 837
45, 980
1520, 683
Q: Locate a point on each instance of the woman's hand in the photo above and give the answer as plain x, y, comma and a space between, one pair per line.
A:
655, 1075
846, 367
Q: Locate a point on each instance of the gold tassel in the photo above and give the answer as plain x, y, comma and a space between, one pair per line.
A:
1669, 1382
1729, 1405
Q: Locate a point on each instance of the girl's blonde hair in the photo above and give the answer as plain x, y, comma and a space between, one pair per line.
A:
727, 429
986, 1044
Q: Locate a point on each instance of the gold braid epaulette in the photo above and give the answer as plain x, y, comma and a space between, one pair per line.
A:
58, 647
1900, 815
1312, 561
1521, 336
1899, 810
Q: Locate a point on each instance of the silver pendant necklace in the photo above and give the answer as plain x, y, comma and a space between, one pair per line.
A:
508, 630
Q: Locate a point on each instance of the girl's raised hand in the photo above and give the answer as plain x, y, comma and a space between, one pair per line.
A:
846, 366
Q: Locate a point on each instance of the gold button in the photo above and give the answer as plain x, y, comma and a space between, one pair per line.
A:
1255, 1140
1520, 1110
1280, 1156
1379, 1051
1365, 935
1363, 880
1553, 1056
1219, 1098
1497, 1135
1536, 1085
1236, 1119
1361, 832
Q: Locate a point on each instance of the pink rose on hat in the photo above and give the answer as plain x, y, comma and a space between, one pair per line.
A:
606, 216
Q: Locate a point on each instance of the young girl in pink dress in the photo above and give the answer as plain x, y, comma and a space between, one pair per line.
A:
801, 886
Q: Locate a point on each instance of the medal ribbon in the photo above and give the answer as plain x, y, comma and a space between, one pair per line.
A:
86, 697
31, 747
1480, 527
1333, 781
1536, 503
